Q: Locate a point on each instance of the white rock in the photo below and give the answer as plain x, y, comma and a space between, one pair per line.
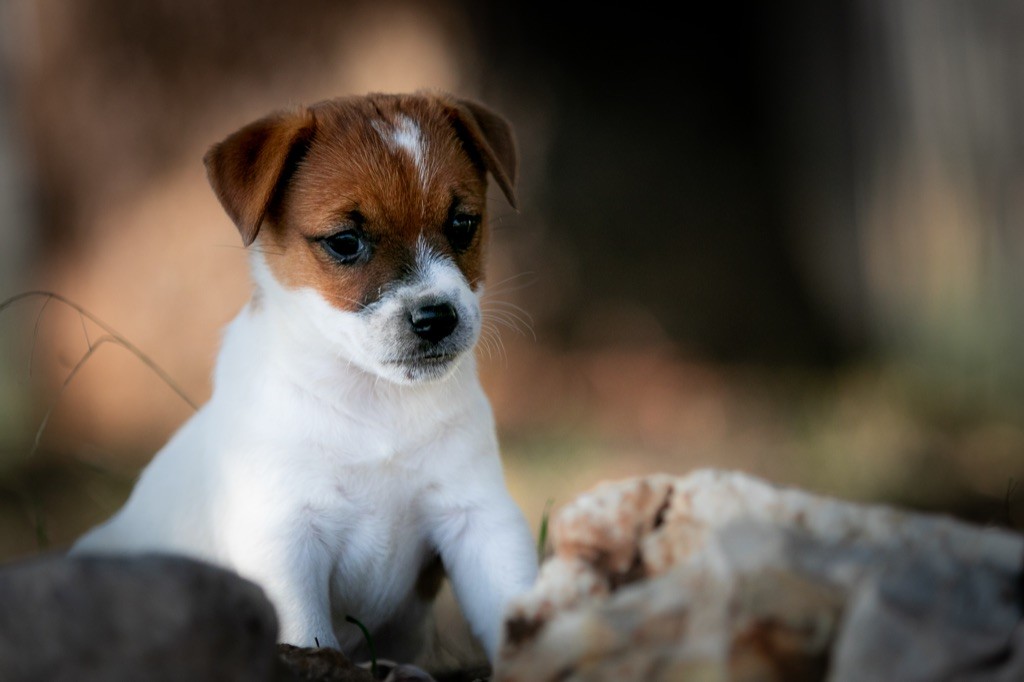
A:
718, 575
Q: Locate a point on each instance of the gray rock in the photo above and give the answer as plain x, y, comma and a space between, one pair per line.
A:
132, 618
918, 621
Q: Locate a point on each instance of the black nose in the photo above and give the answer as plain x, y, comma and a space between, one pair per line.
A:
434, 322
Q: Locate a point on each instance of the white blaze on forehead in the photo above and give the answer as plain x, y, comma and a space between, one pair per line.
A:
406, 136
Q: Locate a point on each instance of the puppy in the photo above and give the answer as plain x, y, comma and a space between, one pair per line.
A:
348, 449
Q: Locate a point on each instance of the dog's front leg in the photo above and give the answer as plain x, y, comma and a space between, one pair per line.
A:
293, 567
489, 555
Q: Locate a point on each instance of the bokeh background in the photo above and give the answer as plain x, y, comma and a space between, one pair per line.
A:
784, 238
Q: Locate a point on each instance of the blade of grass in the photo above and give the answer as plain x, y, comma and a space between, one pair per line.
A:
35, 334
67, 380
542, 535
369, 644
111, 332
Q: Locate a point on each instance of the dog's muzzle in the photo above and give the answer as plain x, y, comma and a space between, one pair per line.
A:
431, 334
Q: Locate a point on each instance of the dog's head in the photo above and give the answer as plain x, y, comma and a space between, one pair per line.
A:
369, 214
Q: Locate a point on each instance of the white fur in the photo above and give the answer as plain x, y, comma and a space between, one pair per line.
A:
405, 134
329, 476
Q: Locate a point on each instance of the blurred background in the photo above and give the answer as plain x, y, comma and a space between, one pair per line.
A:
784, 238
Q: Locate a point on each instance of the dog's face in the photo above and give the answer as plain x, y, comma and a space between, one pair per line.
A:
371, 213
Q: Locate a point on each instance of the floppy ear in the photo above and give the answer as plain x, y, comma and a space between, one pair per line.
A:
247, 168
490, 135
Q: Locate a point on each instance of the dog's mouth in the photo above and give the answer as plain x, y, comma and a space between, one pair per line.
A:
436, 358
431, 359
430, 366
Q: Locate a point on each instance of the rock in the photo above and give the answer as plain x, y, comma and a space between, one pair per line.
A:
718, 575
330, 665
322, 665
142, 618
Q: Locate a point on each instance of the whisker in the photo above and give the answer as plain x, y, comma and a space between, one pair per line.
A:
509, 307
511, 319
491, 338
503, 286
500, 347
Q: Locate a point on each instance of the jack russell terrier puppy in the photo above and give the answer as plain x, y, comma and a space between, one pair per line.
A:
348, 452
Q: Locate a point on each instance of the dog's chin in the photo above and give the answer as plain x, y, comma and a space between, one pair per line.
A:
417, 369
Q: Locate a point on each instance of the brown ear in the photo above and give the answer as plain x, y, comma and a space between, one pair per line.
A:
246, 169
491, 136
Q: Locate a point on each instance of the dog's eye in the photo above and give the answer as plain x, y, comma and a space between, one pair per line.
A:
462, 231
345, 247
